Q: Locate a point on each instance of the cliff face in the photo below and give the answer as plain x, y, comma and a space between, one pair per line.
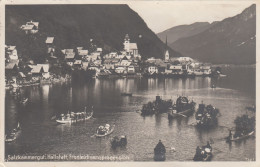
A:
229, 41
74, 25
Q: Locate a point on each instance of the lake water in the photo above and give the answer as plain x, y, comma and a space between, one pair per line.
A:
40, 135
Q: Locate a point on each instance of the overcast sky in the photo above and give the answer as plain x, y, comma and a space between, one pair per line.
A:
160, 16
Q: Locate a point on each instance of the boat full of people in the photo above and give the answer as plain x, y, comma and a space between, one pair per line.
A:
159, 152
157, 106
120, 141
104, 130
203, 153
14, 134
245, 127
73, 117
206, 116
183, 107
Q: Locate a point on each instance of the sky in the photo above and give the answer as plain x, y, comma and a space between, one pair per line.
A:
160, 16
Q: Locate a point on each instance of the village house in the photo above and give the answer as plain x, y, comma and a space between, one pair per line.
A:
50, 45
152, 69
11, 68
82, 53
30, 27
99, 50
175, 68
184, 59
98, 61
79, 48
11, 53
40, 71
120, 70
85, 65
70, 57
93, 66
124, 62
206, 70
110, 55
131, 69
77, 64
93, 56
66, 51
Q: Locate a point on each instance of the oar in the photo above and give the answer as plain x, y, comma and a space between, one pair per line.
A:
181, 115
53, 117
93, 135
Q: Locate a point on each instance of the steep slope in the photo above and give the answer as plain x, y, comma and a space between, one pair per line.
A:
74, 25
183, 31
229, 41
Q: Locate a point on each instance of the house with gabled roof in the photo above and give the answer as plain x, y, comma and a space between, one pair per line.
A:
77, 64
11, 68
40, 71
93, 66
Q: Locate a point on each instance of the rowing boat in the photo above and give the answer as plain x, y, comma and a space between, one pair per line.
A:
107, 133
241, 137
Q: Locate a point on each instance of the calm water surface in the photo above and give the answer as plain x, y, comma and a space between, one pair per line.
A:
40, 135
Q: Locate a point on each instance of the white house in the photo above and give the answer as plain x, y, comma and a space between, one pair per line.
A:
185, 59
153, 69
120, 70
131, 69
175, 68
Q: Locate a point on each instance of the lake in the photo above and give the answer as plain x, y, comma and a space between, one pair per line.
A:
40, 135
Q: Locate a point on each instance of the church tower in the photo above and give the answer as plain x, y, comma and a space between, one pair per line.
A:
166, 54
127, 43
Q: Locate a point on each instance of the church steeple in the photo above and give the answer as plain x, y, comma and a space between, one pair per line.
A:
166, 54
166, 45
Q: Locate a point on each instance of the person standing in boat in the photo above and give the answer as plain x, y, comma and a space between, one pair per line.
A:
159, 151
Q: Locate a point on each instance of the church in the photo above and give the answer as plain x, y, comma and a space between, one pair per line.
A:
130, 47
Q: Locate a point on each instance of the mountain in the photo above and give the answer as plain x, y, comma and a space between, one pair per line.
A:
183, 31
230, 41
75, 25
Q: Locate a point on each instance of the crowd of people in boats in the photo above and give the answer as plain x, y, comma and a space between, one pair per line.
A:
203, 153
183, 107
244, 127
206, 116
156, 107
71, 117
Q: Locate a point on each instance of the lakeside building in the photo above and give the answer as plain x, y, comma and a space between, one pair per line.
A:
40, 71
